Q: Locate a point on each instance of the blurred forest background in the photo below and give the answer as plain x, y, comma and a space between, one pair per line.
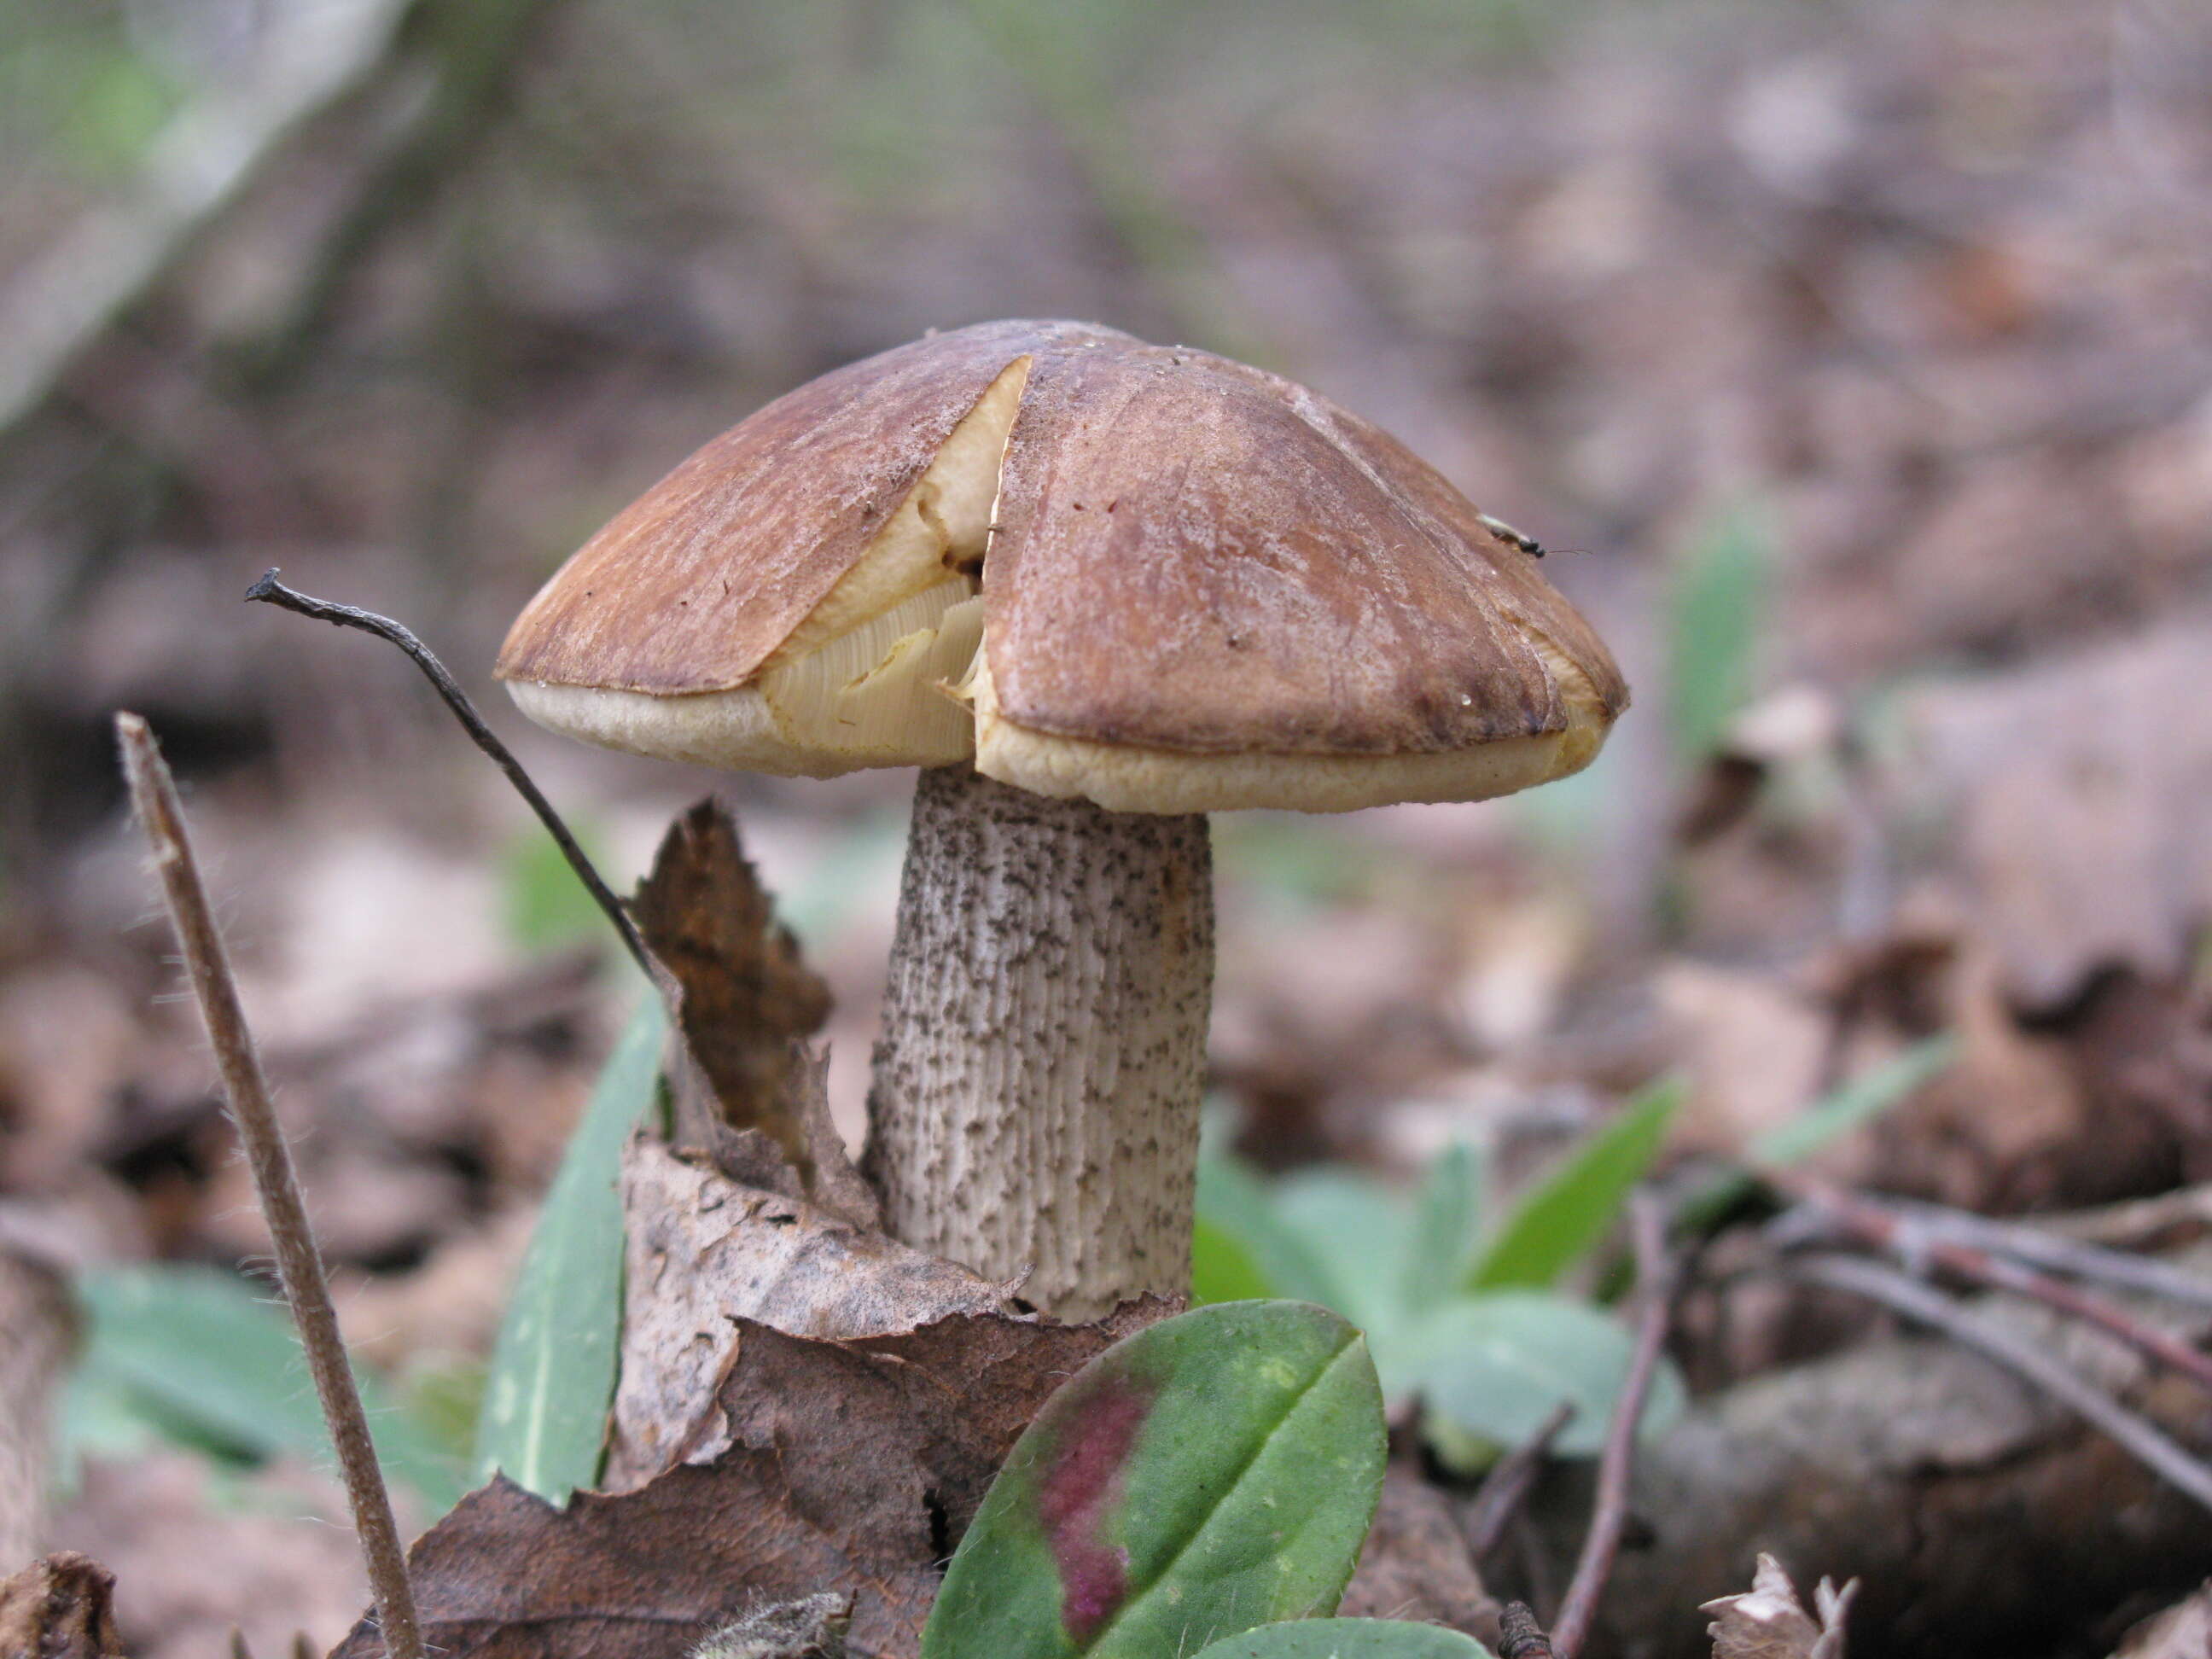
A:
1863, 348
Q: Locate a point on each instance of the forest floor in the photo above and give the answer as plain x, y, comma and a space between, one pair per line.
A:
1867, 349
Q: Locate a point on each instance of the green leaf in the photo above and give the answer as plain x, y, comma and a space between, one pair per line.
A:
552, 1373
205, 1359
1495, 1366
1221, 1268
1362, 1234
1855, 1101
1347, 1638
1213, 1472
1445, 1214
1570, 1210
1237, 1202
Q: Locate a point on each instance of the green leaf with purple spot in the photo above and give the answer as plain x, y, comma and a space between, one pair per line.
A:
1348, 1638
1215, 1472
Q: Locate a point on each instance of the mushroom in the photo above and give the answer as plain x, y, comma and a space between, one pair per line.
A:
1096, 589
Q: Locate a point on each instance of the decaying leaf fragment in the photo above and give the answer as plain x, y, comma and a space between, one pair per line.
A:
812, 1627
1768, 1622
61, 1607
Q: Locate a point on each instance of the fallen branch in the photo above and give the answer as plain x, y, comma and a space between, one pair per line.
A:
299, 1265
1901, 1292
1656, 1270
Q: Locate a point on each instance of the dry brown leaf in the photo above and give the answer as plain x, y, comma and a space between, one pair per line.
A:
61, 1607
2182, 1632
740, 995
1415, 1565
647, 1574
1754, 1050
1768, 1622
853, 1467
704, 1252
2085, 833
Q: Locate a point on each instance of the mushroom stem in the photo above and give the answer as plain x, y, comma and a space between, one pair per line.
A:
1036, 1099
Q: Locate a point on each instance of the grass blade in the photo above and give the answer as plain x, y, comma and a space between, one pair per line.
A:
1570, 1210
552, 1374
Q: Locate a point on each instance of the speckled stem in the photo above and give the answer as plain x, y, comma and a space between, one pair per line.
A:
1037, 1081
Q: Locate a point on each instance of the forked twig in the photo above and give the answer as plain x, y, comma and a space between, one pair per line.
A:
2055, 1253
299, 1266
1917, 1237
1656, 1270
270, 590
2143, 1439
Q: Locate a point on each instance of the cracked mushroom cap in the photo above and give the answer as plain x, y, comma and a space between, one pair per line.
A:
1151, 577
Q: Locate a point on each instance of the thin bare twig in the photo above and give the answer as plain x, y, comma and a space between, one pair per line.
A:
2137, 1221
1909, 1237
2149, 1444
299, 1266
1656, 1269
2059, 1255
1505, 1488
270, 590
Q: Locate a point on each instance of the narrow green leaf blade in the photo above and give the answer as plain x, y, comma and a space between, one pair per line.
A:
552, 1373
1348, 1638
204, 1357
1495, 1366
1213, 1472
1570, 1210
1855, 1101
1859, 1100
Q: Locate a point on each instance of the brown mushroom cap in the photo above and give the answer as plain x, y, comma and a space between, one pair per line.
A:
1202, 587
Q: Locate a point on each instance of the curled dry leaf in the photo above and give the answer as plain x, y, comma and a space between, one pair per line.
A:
1768, 1621
744, 1003
704, 1253
61, 1607
852, 1467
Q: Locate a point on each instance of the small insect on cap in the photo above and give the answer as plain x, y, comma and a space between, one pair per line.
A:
1153, 578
